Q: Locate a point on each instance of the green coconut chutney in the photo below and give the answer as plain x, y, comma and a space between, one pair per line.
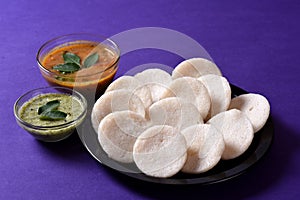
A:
69, 104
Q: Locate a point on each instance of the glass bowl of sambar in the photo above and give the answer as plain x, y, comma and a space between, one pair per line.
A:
83, 61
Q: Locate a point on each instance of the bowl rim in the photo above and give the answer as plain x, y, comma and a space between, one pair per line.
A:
118, 53
51, 127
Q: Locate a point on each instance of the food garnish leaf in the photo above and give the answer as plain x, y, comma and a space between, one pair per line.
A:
91, 60
72, 62
49, 111
53, 115
51, 105
71, 58
67, 67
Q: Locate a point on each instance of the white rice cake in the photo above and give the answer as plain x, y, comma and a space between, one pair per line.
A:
190, 90
237, 132
205, 148
219, 91
124, 82
157, 91
160, 151
174, 112
255, 106
117, 134
116, 100
144, 93
154, 75
195, 67
130, 83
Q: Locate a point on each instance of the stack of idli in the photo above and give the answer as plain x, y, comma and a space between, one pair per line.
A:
185, 121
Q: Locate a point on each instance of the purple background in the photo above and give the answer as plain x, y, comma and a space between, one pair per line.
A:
255, 43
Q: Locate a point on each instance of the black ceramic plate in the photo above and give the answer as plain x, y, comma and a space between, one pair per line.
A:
223, 171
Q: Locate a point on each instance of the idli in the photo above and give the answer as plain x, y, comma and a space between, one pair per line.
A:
154, 75
195, 67
190, 90
219, 91
205, 148
255, 106
160, 151
124, 82
116, 100
117, 134
237, 132
174, 112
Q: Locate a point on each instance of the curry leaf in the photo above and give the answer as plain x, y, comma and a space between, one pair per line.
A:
71, 58
51, 105
67, 67
91, 60
53, 115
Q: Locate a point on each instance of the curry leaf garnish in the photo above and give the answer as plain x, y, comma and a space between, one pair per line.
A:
72, 62
53, 115
49, 111
67, 67
51, 105
71, 58
91, 60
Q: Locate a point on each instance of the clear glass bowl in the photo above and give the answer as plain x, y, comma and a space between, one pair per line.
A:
50, 133
92, 81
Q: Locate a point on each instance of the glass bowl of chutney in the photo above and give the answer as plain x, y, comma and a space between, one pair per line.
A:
50, 114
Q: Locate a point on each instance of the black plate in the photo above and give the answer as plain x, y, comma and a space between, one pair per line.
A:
223, 171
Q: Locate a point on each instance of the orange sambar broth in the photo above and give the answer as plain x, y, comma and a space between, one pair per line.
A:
92, 80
